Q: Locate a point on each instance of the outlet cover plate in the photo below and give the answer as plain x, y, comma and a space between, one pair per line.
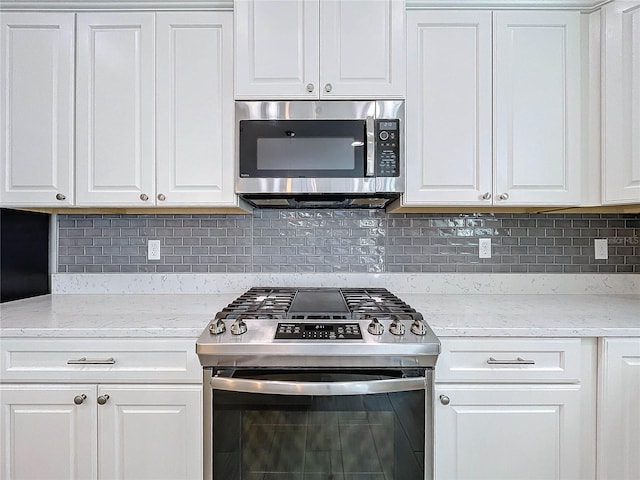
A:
153, 250
601, 248
484, 248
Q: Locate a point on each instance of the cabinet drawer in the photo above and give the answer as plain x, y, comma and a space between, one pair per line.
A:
509, 360
99, 360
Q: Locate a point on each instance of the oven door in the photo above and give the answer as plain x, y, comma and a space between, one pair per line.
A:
319, 424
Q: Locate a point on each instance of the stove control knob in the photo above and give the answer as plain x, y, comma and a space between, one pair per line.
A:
375, 327
238, 327
418, 327
396, 327
217, 327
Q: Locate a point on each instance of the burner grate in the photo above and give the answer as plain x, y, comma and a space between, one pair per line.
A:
275, 303
260, 303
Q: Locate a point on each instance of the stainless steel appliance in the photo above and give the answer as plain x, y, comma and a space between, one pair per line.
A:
318, 383
309, 154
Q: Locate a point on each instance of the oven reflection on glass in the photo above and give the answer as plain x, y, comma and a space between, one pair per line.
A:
317, 445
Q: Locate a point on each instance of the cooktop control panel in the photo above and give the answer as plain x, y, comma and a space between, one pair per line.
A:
318, 331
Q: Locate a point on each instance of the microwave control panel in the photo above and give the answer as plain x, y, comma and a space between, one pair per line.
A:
387, 151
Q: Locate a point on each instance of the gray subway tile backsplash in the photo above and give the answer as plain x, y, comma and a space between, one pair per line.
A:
325, 241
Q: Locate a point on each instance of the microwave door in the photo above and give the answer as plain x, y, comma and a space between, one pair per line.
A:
292, 149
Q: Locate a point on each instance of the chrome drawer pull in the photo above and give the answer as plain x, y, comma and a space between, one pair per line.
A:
517, 361
88, 361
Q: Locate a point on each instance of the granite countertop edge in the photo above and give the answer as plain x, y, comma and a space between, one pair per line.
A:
450, 315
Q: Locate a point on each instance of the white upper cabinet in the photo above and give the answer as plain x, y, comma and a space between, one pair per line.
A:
536, 97
621, 102
155, 109
36, 107
310, 49
115, 119
494, 118
195, 163
449, 107
277, 47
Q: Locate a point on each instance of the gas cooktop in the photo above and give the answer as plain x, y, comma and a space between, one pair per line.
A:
318, 326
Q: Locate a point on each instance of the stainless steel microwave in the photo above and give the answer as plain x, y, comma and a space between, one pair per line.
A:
309, 154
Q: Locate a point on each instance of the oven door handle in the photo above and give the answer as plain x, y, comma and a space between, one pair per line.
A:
277, 387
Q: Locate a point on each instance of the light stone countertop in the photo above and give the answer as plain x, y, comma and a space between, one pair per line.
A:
186, 315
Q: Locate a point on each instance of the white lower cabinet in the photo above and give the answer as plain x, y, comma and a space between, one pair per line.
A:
507, 431
150, 432
140, 432
515, 409
619, 409
45, 434
74, 429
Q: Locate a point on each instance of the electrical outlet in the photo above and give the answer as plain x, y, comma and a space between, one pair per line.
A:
601, 248
153, 250
484, 248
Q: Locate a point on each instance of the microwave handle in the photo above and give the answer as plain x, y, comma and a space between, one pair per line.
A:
371, 146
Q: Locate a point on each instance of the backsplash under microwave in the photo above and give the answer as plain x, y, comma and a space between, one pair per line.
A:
320, 154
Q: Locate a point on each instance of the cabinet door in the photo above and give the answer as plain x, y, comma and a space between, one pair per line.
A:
502, 432
277, 48
45, 434
537, 131
36, 105
150, 432
115, 126
195, 163
621, 102
362, 49
449, 108
619, 409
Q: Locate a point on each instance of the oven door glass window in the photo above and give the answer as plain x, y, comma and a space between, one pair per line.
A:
266, 436
302, 148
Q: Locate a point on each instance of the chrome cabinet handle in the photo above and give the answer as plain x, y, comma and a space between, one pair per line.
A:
310, 87
328, 87
504, 196
486, 196
102, 399
161, 197
144, 197
270, 387
60, 197
517, 361
78, 399
88, 361
444, 400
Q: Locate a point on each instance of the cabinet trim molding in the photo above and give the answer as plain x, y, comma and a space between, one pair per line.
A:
84, 5
583, 5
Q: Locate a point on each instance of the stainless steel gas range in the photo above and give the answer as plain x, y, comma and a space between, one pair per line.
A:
318, 383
